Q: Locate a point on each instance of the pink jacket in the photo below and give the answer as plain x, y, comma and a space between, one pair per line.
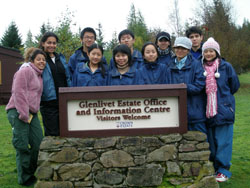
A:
26, 92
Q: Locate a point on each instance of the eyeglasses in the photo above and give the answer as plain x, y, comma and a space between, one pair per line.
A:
89, 37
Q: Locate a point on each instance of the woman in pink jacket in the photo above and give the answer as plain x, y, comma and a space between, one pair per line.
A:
22, 114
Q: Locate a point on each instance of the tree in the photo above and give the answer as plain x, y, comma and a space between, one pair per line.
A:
11, 37
110, 46
29, 41
216, 17
174, 18
137, 25
100, 37
43, 29
68, 41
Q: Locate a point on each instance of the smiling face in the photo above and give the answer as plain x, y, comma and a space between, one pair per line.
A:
49, 45
180, 52
88, 39
95, 56
121, 59
39, 61
163, 43
150, 53
209, 54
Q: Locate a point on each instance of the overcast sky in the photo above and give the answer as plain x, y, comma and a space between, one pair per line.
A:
112, 14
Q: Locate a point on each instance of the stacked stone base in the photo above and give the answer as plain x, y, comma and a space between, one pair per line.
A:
172, 160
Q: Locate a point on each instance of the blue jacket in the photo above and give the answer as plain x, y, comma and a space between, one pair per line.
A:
49, 92
137, 60
198, 54
116, 78
78, 57
192, 75
166, 59
227, 84
152, 73
83, 76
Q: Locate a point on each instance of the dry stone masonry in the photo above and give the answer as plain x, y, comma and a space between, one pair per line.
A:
172, 160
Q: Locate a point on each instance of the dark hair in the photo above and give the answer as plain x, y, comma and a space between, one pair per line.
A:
100, 64
87, 29
125, 32
123, 48
35, 53
146, 44
192, 30
45, 37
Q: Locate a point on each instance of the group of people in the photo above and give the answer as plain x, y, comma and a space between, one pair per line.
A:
211, 82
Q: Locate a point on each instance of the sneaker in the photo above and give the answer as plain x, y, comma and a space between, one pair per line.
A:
221, 177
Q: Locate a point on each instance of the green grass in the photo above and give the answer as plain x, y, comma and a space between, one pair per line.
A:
241, 144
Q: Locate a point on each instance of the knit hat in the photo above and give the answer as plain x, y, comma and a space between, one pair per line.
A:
162, 35
211, 43
183, 42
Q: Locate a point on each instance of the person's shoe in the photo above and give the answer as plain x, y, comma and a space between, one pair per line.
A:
30, 181
221, 177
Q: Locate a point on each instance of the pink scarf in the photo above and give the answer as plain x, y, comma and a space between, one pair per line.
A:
211, 87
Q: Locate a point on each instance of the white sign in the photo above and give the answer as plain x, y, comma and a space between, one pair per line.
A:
123, 113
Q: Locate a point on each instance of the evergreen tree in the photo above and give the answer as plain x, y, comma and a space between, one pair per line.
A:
216, 17
29, 41
43, 29
137, 25
100, 37
11, 37
68, 41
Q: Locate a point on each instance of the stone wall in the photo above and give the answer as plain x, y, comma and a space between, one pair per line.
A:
172, 160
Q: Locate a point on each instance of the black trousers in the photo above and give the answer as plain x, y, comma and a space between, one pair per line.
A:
50, 116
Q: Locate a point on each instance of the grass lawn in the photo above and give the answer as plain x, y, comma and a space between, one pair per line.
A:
241, 144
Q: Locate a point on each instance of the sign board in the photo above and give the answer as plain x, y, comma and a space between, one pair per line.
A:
122, 110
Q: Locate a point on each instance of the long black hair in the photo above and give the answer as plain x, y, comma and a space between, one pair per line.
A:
100, 64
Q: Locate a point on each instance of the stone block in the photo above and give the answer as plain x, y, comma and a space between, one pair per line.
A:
44, 173
105, 143
194, 156
116, 158
109, 177
150, 175
171, 138
68, 154
165, 153
195, 136
74, 172
173, 168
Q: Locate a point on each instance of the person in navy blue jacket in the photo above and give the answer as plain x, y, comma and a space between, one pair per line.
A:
56, 74
87, 37
123, 73
185, 69
152, 72
127, 37
93, 72
163, 43
221, 84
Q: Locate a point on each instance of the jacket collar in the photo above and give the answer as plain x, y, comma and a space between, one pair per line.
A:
85, 68
188, 63
116, 73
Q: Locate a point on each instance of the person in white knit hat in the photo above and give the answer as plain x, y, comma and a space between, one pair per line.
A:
221, 83
185, 69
